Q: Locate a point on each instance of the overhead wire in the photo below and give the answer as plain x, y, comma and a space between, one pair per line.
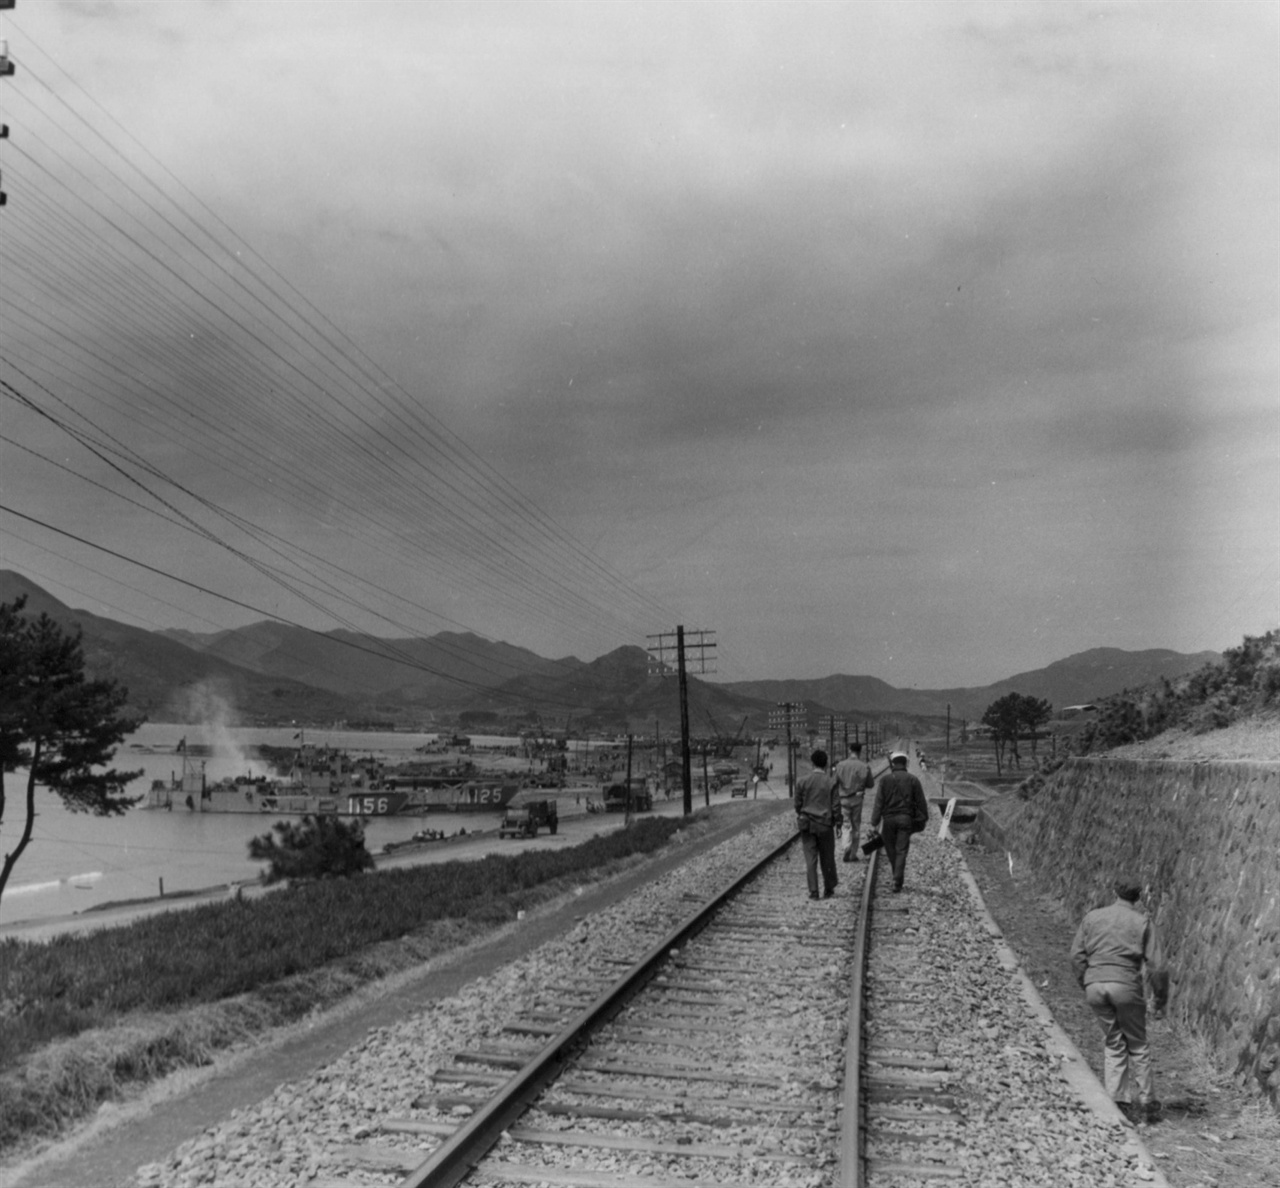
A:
262, 611
508, 576
480, 661
519, 503
6, 389
186, 610
594, 561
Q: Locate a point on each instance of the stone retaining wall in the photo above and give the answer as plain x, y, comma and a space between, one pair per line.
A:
1205, 840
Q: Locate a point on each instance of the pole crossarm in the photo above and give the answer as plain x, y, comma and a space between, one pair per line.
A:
790, 715
678, 644
663, 651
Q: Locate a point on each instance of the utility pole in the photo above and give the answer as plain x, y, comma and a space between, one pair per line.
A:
6, 71
948, 730
660, 648
627, 820
827, 725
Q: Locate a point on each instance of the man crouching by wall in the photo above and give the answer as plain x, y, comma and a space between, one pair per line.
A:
1113, 947
817, 814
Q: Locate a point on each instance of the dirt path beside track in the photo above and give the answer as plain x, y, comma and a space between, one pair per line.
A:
1214, 1134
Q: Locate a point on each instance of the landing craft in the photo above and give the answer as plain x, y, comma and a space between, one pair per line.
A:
329, 783
415, 793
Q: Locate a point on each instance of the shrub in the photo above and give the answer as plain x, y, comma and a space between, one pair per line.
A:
1215, 695
313, 848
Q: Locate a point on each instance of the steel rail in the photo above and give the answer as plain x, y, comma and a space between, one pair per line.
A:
851, 1169
852, 1166
454, 1159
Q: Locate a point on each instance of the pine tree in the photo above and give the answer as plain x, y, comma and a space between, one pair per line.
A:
58, 727
315, 847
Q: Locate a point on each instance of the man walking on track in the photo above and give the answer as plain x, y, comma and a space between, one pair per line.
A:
1114, 946
817, 809
899, 811
854, 778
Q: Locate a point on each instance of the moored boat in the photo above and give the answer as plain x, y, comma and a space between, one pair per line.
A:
329, 783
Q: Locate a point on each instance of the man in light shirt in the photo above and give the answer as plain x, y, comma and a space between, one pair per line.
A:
854, 778
1113, 948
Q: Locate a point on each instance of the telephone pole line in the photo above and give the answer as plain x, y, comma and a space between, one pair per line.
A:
688, 648
831, 725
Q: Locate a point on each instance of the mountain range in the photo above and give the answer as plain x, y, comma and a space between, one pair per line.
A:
271, 673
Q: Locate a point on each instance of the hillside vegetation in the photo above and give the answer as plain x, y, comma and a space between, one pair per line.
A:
1246, 684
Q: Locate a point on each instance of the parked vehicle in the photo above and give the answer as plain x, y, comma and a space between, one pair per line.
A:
615, 799
524, 820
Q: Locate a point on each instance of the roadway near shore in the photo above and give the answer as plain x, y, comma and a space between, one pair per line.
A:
576, 825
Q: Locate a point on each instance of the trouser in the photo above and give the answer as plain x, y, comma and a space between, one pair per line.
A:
819, 844
852, 828
1126, 1065
896, 832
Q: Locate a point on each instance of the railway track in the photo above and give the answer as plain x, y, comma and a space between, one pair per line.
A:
713, 1059
704, 1039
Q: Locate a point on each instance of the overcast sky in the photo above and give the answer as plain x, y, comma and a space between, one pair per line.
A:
931, 341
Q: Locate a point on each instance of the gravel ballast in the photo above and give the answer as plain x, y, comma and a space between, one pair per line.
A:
1023, 1123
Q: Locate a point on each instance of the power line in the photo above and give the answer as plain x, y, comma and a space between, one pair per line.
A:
376, 389
264, 613
529, 576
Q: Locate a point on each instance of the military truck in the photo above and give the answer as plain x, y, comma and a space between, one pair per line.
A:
523, 820
615, 799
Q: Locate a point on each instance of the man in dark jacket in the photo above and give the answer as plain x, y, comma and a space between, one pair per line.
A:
900, 810
817, 810
1114, 946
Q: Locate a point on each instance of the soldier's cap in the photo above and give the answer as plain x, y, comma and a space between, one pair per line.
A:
1128, 888
894, 756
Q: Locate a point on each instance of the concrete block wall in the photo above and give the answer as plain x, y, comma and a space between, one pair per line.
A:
1205, 840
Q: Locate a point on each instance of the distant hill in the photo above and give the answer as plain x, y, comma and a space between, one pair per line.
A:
444, 667
616, 693
271, 672
168, 681
1084, 677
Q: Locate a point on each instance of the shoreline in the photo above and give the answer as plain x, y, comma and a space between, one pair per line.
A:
576, 823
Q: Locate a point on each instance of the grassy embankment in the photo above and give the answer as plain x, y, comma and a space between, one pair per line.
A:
84, 1018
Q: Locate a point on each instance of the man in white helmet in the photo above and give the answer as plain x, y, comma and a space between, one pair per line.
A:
899, 811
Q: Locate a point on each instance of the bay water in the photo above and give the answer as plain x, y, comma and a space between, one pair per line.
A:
77, 861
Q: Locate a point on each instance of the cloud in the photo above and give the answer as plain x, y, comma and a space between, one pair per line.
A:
736, 290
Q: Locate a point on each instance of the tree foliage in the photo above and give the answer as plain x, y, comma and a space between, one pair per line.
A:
1011, 717
313, 848
1246, 682
57, 726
